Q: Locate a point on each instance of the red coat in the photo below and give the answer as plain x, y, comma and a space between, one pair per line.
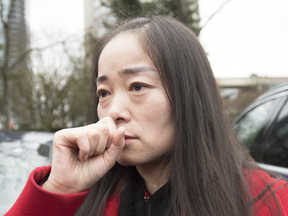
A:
36, 201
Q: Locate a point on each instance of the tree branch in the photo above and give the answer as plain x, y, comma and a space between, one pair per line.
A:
25, 54
214, 14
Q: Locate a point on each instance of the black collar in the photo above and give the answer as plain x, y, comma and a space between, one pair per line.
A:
133, 203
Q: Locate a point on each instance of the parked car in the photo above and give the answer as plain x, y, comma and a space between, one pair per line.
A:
262, 128
20, 153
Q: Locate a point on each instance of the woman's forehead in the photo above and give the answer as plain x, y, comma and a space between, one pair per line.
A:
124, 52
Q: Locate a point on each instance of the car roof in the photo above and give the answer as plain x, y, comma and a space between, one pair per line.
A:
282, 88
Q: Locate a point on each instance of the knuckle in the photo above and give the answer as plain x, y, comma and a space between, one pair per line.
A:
61, 136
59, 133
105, 130
80, 138
80, 134
95, 135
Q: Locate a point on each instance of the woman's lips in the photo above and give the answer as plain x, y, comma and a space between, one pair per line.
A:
129, 139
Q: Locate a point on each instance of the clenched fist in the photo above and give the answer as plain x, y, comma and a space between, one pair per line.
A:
83, 155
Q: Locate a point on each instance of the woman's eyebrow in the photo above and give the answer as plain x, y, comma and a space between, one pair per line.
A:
134, 70
101, 79
128, 71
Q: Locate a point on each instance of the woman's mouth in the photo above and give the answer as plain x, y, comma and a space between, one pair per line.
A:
129, 139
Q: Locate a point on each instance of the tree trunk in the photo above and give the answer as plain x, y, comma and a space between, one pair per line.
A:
183, 11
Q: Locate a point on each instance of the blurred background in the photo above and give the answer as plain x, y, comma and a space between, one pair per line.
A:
45, 50
45, 61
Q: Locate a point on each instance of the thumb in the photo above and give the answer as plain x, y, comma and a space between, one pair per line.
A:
118, 142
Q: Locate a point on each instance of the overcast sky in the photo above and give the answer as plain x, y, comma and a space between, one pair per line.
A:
245, 37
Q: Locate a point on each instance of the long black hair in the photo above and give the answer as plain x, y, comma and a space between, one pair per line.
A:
207, 162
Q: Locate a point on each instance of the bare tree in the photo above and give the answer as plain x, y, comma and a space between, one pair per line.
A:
61, 87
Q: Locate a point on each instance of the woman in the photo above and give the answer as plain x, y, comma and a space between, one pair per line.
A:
161, 145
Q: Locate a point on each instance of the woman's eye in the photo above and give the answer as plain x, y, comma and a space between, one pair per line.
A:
137, 87
102, 93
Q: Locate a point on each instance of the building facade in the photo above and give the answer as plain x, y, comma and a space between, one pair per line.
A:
18, 29
14, 42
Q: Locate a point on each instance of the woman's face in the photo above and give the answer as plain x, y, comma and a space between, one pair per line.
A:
131, 93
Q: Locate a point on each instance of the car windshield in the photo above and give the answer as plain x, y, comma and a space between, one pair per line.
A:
20, 153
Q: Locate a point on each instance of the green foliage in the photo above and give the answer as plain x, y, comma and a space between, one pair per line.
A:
186, 11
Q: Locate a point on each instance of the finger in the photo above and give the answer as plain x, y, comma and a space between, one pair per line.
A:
93, 135
98, 135
118, 138
83, 145
108, 121
72, 138
98, 145
111, 154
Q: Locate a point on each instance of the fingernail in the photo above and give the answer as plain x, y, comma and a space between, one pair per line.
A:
85, 158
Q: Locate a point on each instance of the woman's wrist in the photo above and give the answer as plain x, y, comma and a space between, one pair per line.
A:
56, 188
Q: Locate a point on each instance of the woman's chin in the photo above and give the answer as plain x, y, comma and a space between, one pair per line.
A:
125, 162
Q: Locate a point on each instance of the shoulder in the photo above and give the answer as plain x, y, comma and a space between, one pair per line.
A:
269, 195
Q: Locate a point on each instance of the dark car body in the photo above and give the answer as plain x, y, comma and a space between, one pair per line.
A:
262, 128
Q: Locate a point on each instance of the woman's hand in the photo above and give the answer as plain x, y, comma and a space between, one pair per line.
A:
80, 158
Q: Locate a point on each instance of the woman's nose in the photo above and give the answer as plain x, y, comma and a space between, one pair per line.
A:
119, 110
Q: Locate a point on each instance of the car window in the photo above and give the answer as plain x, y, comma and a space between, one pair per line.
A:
276, 148
247, 128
